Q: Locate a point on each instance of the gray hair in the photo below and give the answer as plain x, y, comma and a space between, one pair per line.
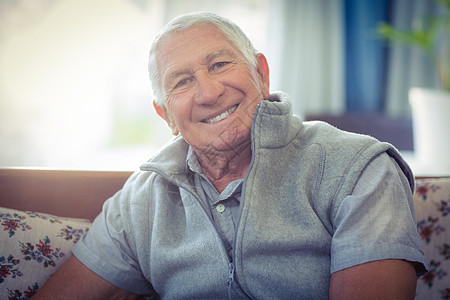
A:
183, 23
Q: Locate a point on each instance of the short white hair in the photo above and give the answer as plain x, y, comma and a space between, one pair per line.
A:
183, 23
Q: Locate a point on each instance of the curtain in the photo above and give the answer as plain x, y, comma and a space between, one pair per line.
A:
364, 55
311, 66
407, 67
331, 59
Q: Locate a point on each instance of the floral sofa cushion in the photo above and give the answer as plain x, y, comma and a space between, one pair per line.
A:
32, 247
432, 203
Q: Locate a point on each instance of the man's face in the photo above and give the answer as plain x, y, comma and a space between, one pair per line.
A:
211, 90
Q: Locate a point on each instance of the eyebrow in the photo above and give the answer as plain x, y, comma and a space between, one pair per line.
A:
204, 61
217, 53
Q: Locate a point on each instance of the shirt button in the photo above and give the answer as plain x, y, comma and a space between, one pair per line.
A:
220, 208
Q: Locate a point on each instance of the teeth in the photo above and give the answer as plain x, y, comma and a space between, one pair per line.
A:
222, 115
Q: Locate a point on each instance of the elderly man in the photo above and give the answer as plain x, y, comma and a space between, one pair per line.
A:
247, 201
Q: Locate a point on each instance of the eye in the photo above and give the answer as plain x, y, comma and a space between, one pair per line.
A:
219, 65
182, 83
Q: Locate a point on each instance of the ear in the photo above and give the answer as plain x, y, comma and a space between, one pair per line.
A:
161, 111
263, 71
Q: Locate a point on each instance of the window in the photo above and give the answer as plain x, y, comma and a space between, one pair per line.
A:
74, 87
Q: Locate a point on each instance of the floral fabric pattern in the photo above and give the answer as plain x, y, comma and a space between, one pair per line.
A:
50, 218
8, 268
41, 252
32, 247
70, 233
432, 203
27, 294
14, 222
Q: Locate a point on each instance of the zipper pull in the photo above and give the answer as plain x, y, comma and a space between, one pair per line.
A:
230, 278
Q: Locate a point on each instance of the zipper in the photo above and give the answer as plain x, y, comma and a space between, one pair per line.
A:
244, 186
230, 279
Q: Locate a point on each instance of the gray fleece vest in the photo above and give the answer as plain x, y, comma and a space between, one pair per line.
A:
298, 175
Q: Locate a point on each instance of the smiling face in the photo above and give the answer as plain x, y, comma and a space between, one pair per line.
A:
210, 90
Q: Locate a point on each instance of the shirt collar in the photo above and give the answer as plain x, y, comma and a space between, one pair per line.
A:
232, 188
192, 161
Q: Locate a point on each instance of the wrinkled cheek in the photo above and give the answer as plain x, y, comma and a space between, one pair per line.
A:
234, 134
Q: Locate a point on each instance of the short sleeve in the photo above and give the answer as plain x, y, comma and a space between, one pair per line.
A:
377, 221
107, 251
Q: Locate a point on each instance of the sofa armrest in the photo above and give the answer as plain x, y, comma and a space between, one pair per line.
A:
75, 194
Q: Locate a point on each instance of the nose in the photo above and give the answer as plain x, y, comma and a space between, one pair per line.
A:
209, 89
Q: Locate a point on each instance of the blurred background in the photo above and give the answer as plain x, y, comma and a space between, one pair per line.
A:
75, 93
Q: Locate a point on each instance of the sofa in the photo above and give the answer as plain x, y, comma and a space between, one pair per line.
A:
43, 213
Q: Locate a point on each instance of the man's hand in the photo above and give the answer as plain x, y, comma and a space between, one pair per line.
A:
73, 280
383, 279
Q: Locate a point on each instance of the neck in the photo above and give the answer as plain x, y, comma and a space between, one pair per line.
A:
223, 167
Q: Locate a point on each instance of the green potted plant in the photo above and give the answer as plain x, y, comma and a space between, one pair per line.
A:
431, 35
430, 108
